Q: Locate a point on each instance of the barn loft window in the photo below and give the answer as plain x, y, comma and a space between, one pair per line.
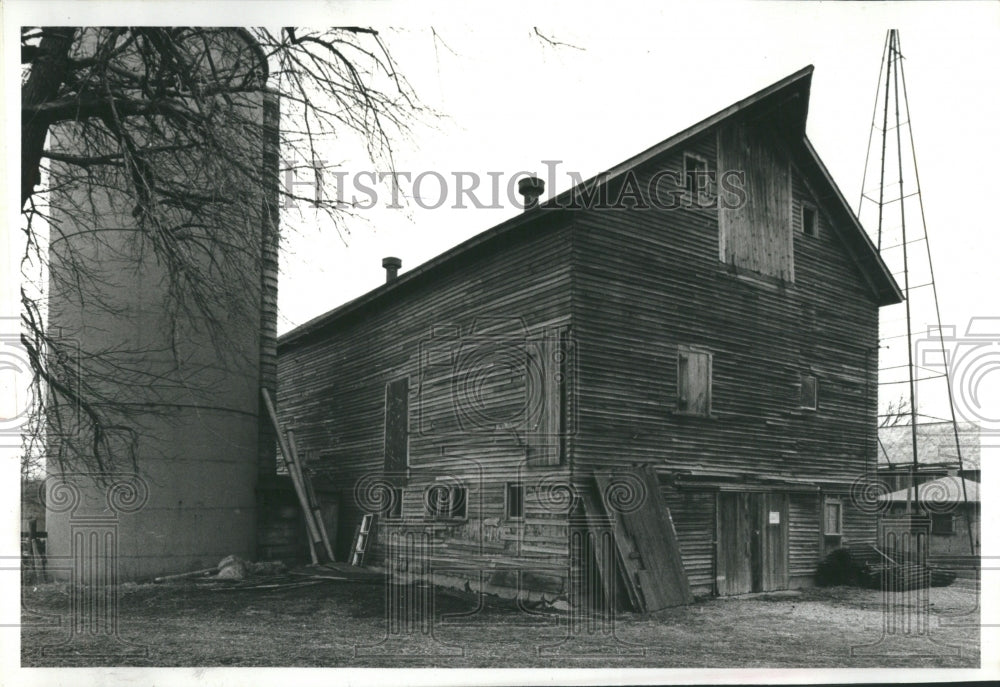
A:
695, 173
810, 220
943, 523
445, 502
397, 425
807, 392
514, 501
833, 518
756, 235
694, 382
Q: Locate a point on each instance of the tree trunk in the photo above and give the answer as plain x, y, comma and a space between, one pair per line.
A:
48, 71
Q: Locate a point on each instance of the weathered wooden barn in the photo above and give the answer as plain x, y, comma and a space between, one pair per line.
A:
707, 310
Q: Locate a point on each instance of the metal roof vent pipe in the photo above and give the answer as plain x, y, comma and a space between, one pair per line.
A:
532, 189
391, 266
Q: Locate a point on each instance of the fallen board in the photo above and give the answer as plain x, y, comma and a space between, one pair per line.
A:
645, 538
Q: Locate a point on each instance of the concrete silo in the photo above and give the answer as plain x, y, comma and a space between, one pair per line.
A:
183, 372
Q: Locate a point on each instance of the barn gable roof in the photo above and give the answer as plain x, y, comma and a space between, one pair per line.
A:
785, 102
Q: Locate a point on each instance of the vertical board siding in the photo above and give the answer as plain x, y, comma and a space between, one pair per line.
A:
756, 235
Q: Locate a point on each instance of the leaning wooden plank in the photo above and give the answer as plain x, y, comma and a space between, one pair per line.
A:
299, 490
627, 558
633, 498
664, 537
599, 527
314, 506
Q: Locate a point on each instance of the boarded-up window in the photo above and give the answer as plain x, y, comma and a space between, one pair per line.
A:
833, 522
397, 421
694, 382
395, 510
549, 374
807, 392
756, 235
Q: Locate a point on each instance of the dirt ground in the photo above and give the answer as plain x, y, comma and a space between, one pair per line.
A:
345, 624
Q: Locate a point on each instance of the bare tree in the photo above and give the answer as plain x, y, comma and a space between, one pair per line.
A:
896, 413
164, 118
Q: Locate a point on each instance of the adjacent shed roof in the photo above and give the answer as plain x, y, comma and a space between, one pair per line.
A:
786, 102
948, 489
935, 445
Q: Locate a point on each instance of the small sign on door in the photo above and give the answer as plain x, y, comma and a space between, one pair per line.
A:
774, 517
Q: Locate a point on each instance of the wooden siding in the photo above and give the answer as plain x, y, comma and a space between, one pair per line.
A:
804, 533
693, 513
649, 283
624, 290
464, 342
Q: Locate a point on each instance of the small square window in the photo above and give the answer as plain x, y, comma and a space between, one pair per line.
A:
514, 501
695, 174
943, 523
810, 220
807, 392
694, 382
443, 503
833, 518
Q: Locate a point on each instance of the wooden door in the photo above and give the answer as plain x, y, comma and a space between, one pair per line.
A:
752, 536
733, 569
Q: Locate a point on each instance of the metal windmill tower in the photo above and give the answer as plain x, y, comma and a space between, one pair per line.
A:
891, 206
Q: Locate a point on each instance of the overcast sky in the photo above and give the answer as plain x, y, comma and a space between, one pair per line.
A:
637, 74
509, 102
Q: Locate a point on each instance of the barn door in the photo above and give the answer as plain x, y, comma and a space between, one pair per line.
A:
752, 550
733, 569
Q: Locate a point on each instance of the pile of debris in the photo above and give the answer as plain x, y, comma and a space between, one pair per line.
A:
864, 565
234, 573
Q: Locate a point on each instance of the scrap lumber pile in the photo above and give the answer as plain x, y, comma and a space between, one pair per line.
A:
865, 565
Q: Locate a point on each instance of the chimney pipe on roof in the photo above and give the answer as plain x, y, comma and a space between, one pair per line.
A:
391, 266
531, 188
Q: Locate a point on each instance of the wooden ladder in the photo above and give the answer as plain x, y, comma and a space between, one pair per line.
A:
361, 540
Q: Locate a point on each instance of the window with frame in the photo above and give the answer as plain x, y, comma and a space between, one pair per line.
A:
943, 523
809, 220
397, 425
694, 382
695, 174
808, 392
394, 510
446, 503
833, 518
514, 501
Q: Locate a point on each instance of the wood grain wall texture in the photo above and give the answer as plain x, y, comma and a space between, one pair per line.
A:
472, 406
649, 281
625, 288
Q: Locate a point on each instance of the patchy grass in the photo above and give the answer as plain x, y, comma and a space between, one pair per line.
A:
345, 624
